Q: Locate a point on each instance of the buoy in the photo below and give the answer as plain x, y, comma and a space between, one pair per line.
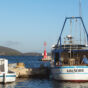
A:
45, 53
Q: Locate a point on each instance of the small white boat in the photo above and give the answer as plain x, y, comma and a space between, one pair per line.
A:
68, 57
5, 75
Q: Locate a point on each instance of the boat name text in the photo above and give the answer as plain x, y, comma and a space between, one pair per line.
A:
75, 70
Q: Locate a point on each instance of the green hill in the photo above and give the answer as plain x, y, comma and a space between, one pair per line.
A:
8, 51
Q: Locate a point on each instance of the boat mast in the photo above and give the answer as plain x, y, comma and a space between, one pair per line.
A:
80, 15
80, 9
70, 38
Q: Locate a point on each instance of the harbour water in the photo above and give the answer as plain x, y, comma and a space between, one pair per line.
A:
42, 83
29, 61
35, 61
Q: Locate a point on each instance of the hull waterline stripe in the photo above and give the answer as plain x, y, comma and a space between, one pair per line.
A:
70, 73
8, 76
69, 67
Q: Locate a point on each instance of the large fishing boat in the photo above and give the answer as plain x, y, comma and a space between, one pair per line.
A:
68, 62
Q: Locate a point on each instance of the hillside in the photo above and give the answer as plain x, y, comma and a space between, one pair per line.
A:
8, 51
32, 54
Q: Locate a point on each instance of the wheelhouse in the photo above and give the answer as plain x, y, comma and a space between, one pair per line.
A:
70, 52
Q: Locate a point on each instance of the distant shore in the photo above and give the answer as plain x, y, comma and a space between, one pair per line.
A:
5, 51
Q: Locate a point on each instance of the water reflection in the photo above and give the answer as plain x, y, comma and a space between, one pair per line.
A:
34, 83
9, 85
57, 84
43, 83
29, 83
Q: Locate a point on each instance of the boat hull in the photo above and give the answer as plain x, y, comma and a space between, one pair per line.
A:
6, 78
70, 73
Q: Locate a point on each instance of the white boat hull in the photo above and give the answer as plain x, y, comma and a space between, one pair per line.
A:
70, 73
6, 78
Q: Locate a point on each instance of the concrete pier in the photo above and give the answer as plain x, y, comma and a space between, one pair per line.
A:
21, 71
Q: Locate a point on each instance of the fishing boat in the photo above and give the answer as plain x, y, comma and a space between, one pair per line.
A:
6, 76
67, 54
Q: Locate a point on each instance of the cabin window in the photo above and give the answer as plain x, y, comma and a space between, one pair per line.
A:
56, 57
1, 66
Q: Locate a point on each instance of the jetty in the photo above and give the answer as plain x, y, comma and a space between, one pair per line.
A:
22, 72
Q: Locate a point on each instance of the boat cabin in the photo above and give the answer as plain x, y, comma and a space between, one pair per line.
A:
69, 50
3, 65
69, 57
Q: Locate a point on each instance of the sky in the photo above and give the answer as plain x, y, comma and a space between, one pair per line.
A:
26, 24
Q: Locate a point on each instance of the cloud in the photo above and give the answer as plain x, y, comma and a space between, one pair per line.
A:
11, 43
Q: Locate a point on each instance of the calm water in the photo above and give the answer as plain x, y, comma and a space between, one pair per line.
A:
34, 62
29, 61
